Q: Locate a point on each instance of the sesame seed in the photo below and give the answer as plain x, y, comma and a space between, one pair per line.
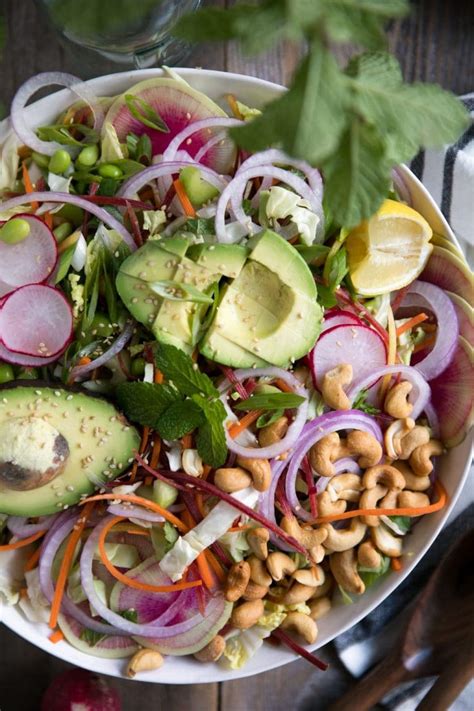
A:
37, 392
69, 397
58, 392
4, 400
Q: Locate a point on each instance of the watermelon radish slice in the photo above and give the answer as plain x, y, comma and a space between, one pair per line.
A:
340, 317
22, 359
36, 320
465, 314
108, 647
449, 272
358, 345
30, 261
178, 104
452, 395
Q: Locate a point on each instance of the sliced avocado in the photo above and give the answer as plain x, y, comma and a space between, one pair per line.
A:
225, 259
57, 445
220, 349
197, 189
176, 245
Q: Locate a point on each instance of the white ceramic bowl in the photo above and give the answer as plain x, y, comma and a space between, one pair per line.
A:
453, 468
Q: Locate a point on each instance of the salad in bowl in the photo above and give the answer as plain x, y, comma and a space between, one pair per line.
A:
222, 415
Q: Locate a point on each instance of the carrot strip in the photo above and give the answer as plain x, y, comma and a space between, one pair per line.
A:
187, 441
419, 511
183, 198
56, 636
234, 107
28, 184
158, 376
48, 218
396, 564
156, 451
200, 505
146, 503
130, 582
237, 427
238, 529
33, 560
279, 383
66, 564
215, 565
143, 444
204, 559
85, 360
23, 542
424, 344
411, 323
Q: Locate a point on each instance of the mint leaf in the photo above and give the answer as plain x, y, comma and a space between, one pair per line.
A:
326, 297
271, 401
91, 637
180, 369
360, 403
179, 418
337, 268
145, 402
210, 438
403, 522
362, 22
268, 418
200, 226
130, 615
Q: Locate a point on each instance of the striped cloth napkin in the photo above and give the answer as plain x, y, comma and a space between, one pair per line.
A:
449, 176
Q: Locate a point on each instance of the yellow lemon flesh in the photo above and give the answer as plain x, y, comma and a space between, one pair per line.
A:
388, 251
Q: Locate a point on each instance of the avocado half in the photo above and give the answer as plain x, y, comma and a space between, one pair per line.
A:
57, 444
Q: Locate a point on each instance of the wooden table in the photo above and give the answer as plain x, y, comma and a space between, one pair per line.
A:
433, 44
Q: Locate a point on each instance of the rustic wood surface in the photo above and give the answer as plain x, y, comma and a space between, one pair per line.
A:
435, 43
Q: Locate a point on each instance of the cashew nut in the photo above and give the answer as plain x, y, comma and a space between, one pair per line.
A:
328, 507
237, 580
368, 556
420, 459
279, 564
253, 591
365, 445
344, 538
247, 614
319, 608
326, 451
389, 501
412, 500
313, 576
271, 434
325, 588
346, 487
232, 479
396, 401
344, 568
418, 436
413, 482
308, 537
383, 474
192, 462
386, 542
369, 500
332, 387
258, 572
212, 651
258, 538
394, 433
302, 625
260, 471
297, 593
144, 660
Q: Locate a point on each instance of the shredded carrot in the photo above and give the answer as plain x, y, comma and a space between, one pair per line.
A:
23, 593
85, 360
131, 582
156, 451
234, 107
215, 565
23, 542
69, 241
143, 445
411, 323
415, 511
183, 198
237, 427
187, 441
424, 344
158, 376
32, 561
48, 218
56, 636
203, 560
206, 470
282, 385
140, 501
28, 184
391, 352
200, 505
66, 564
396, 564
238, 529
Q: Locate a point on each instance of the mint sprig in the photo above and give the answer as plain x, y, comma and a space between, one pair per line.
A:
360, 403
271, 401
354, 124
146, 402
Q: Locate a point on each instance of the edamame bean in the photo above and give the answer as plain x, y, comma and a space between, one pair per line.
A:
137, 367
88, 156
6, 373
72, 214
27, 374
14, 231
62, 231
107, 170
41, 160
60, 161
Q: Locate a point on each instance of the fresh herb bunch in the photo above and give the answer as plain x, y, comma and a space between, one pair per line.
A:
354, 123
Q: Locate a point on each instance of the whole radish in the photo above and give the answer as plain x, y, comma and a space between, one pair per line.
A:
80, 690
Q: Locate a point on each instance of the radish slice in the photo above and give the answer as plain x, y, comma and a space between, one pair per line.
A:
449, 272
22, 359
36, 320
108, 647
30, 261
465, 314
340, 317
358, 345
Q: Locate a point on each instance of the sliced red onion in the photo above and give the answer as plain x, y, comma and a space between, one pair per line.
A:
69, 199
210, 144
32, 260
31, 86
432, 418
20, 527
294, 429
78, 260
448, 328
418, 397
235, 190
138, 181
346, 464
209, 123
314, 431
401, 186
266, 505
81, 371
134, 512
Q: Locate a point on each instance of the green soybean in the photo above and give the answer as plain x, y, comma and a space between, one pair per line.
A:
107, 170
27, 374
88, 156
6, 373
72, 214
14, 231
41, 160
137, 367
62, 231
60, 161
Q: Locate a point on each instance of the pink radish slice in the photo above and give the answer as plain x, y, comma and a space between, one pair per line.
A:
452, 395
449, 272
109, 647
340, 317
360, 346
36, 320
30, 261
22, 359
464, 312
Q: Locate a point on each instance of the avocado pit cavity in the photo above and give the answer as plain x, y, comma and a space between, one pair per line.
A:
32, 453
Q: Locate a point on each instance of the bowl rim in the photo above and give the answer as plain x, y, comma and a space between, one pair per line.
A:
275, 657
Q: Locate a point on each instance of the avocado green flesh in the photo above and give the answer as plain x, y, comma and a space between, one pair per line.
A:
101, 445
198, 190
226, 259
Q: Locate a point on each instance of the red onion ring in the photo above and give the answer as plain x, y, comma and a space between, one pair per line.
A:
401, 187
79, 372
170, 152
21, 529
418, 397
134, 512
30, 87
294, 430
86, 205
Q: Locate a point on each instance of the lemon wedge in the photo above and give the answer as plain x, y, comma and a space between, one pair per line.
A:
388, 251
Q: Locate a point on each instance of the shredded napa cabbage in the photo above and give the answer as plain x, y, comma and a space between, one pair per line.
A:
153, 221
235, 544
34, 605
283, 203
77, 294
9, 162
11, 575
110, 145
